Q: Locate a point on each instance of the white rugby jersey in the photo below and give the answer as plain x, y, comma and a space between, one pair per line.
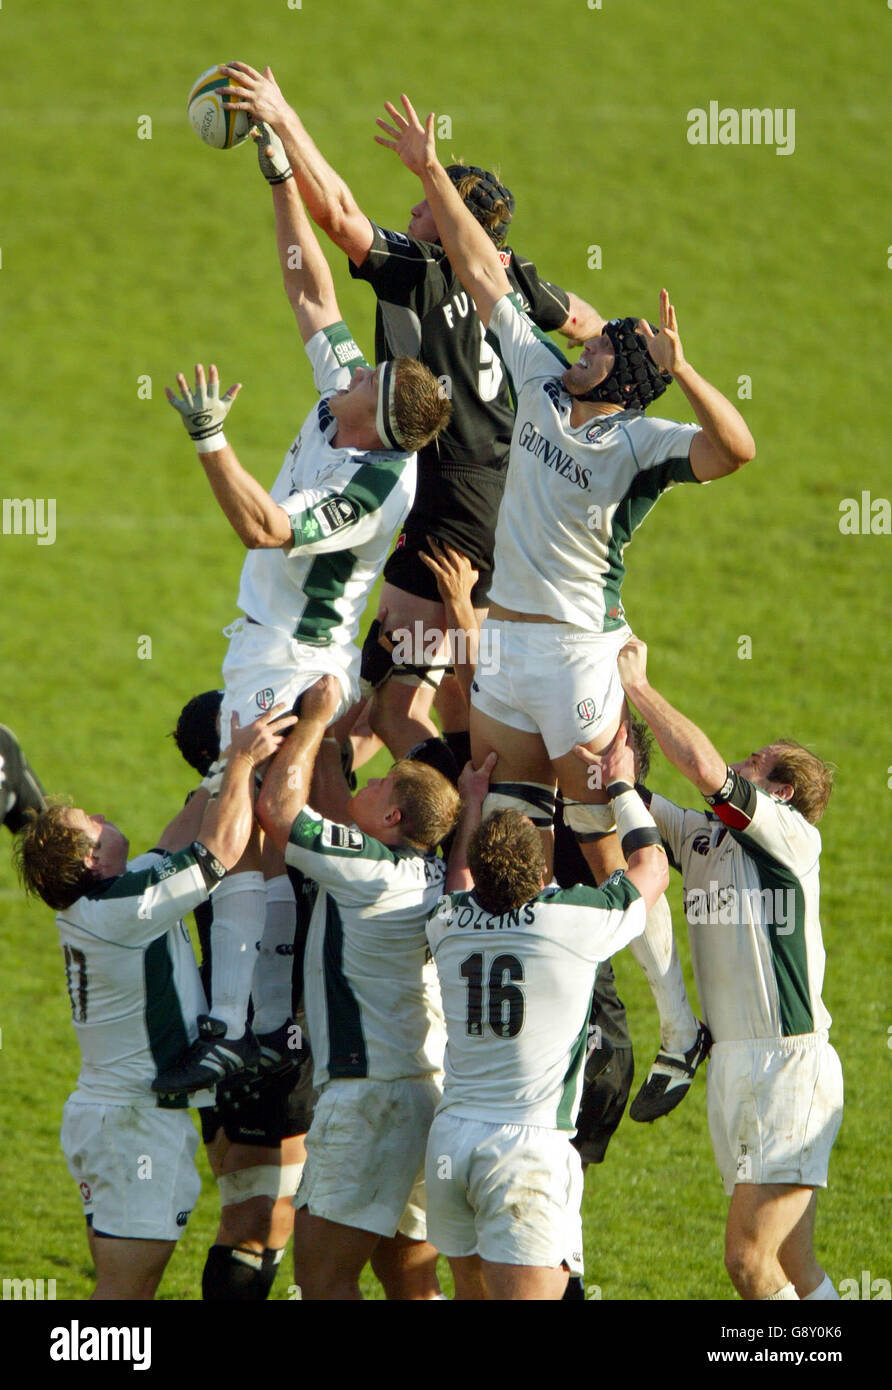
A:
517, 991
751, 895
573, 497
345, 507
132, 976
370, 991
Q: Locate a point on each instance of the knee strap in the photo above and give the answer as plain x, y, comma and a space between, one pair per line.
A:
589, 822
378, 664
533, 799
263, 1180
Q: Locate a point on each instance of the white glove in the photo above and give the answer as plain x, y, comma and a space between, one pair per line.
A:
274, 167
204, 410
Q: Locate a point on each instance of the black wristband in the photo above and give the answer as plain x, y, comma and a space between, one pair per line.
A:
616, 789
209, 864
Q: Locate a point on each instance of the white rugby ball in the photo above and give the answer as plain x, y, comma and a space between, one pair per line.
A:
207, 117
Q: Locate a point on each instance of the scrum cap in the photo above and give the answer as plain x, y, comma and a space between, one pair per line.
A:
484, 196
635, 381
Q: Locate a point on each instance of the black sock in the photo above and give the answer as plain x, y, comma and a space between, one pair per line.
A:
233, 1275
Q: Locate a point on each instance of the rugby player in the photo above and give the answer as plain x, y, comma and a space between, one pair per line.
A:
135, 1000
750, 868
586, 466
21, 794
373, 1013
423, 309
517, 963
253, 1133
316, 544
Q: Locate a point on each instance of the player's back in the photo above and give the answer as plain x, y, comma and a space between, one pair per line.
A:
517, 991
132, 977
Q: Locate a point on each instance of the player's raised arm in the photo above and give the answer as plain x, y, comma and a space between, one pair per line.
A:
471, 253
686, 746
473, 787
258, 521
724, 443
329, 201
639, 837
286, 786
229, 817
305, 271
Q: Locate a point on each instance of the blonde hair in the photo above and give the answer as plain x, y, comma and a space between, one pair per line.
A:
49, 856
809, 776
428, 802
421, 407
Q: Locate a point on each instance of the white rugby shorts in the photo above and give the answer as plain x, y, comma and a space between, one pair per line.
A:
554, 679
135, 1167
365, 1154
265, 667
511, 1194
774, 1107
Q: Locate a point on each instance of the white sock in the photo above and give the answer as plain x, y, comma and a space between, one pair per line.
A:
657, 954
786, 1293
239, 906
824, 1293
272, 969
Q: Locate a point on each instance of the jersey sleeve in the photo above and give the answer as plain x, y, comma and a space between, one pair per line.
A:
546, 303
153, 895
353, 866
620, 915
526, 351
334, 356
761, 824
402, 270
669, 820
369, 504
663, 445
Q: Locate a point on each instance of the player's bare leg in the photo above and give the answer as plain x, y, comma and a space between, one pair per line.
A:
517, 1282
406, 1268
401, 707
681, 1037
256, 1229
450, 705
797, 1256
522, 758
467, 1275
128, 1269
329, 1257
761, 1219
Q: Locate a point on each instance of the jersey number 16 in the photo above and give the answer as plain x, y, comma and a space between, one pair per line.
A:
505, 1006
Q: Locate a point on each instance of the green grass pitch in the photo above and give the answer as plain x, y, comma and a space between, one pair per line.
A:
125, 259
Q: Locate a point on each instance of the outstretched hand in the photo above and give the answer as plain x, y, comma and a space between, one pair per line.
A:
257, 93
414, 143
664, 347
204, 409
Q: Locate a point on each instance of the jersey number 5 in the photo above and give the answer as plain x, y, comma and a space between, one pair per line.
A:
76, 979
505, 1010
489, 377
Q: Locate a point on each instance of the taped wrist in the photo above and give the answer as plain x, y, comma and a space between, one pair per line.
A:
210, 443
213, 778
635, 825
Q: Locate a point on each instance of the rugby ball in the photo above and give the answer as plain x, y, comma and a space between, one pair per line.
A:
207, 117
